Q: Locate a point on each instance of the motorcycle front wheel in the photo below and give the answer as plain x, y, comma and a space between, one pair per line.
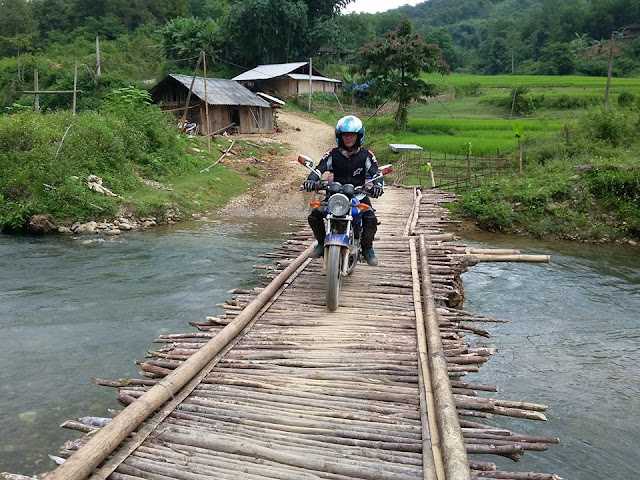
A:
333, 277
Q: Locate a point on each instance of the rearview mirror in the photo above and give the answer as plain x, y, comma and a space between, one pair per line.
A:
305, 160
385, 169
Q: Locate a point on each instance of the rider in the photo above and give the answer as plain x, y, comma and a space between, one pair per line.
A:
350, 163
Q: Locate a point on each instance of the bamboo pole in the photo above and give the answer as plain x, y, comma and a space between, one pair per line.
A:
110, 436
36, 87
502, 258
193, 79
455, 457
206, 99
433, 467
75, 87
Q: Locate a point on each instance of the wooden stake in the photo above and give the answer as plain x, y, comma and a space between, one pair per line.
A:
36, 102
609, 68
75, 87
193, 79
206, 100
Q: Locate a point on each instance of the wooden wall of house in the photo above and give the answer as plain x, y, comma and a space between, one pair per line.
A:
174, 99
290, 87
318, 86
252, 119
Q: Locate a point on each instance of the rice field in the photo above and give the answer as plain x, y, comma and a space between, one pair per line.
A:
534, 81
447, 126
490, 136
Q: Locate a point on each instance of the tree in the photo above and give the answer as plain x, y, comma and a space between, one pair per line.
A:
52, 15
393, 64
499, 57
185, 38
268, 31
351, 32
559, 57
442, 38
17, 27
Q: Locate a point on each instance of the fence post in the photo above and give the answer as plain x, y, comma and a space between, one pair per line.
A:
75, 87
520, 162
433, 180
36, 87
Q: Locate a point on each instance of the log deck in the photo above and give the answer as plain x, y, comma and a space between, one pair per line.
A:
280, 388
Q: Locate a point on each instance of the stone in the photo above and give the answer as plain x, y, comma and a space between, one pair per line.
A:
42, 224
89, 227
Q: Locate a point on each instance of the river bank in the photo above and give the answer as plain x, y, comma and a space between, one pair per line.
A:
256, 175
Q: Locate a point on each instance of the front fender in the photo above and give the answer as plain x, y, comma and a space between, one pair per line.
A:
340, 239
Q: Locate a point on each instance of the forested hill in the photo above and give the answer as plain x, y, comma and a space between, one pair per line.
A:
141, 40
525, 36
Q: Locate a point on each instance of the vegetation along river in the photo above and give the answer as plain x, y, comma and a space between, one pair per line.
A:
76, 308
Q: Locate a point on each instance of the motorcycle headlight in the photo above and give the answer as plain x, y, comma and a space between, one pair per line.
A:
339, 204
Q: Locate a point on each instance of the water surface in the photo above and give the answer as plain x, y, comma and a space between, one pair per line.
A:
73, 308
76, 308
572, 343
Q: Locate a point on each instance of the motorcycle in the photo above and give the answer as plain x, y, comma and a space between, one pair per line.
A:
343, 221
188, 127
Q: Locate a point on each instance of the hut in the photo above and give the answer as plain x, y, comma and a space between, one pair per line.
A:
231, 106
286, 79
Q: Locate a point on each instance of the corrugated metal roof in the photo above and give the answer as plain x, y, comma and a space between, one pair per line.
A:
263, 72
302, 76
222, 92
269, 98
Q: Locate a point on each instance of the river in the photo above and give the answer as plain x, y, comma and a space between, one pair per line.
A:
572, 343
75, 308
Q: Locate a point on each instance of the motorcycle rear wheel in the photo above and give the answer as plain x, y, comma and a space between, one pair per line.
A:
333, 277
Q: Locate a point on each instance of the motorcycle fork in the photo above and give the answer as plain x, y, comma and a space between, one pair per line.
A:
344, 251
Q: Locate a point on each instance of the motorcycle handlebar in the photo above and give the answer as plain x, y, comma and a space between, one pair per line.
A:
324, 184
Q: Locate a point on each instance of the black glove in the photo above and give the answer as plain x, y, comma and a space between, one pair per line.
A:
377, 190
309, 185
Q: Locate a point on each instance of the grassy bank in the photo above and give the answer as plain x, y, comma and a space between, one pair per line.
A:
46, 159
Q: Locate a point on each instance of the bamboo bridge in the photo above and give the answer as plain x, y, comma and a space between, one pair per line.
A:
279, 388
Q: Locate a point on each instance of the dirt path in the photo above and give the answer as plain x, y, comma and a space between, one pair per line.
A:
278, 194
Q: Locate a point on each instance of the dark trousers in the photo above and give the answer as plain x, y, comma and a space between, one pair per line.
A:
369, 225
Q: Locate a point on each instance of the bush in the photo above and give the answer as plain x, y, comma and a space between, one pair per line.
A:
569, 102
626, 99
593, 67
489, 210
607, 124
521, 100
472, 89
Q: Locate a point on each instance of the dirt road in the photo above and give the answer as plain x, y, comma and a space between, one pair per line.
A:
278, 193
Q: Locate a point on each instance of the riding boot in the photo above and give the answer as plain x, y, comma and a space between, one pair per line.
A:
316, 222
369, 229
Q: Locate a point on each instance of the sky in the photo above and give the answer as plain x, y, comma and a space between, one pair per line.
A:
375, 6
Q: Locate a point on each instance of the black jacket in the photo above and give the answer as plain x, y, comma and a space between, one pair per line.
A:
351, 169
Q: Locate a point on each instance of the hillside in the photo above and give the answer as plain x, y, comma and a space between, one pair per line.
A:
141, 42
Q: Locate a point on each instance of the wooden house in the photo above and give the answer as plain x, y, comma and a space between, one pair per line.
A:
231, 106
286, 79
